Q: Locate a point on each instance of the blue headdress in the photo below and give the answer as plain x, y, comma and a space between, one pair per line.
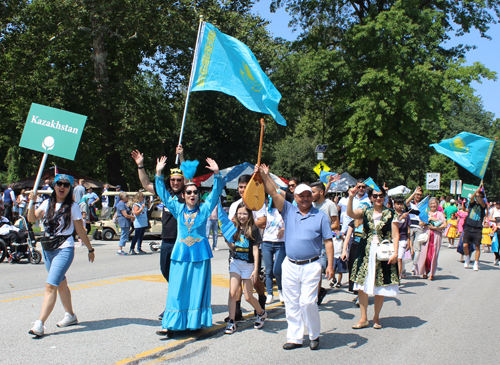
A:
64, 177
189, 169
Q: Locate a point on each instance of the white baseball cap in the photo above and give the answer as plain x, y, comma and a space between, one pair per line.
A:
301, 188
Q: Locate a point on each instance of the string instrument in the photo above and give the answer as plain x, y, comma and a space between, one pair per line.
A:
255, 195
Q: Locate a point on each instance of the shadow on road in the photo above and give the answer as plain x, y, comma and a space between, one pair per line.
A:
105, 324
402, 322
331, 340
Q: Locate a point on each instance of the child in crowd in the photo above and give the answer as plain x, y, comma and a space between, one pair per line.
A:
452, 230
404, 232
244, 266
86, 224
339, 265
487, 234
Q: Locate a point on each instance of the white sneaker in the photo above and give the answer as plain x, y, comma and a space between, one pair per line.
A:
38, 329
450, 246
269, 299
466, 264
476, 266
282, 300
216, 249
230, 328
68, 320
466, 261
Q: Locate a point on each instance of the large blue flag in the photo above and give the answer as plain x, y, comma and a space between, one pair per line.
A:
225, 64
470, 151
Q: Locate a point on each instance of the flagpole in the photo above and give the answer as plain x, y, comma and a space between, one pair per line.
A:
38, 178
189, 86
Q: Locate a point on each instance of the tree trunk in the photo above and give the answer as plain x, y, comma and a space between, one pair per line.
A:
373, 169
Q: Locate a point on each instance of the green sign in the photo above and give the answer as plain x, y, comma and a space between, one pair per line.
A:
468, 190
53, 131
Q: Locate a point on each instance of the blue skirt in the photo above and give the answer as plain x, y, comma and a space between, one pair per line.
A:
189, 296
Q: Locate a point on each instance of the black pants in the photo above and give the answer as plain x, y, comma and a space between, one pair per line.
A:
8, 211
165, 252
350, 263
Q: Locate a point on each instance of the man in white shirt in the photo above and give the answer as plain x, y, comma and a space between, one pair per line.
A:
260, 219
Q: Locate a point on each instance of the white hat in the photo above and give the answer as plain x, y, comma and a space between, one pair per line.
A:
301, 188
452, 201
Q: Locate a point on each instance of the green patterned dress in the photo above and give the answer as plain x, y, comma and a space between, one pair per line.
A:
369, 274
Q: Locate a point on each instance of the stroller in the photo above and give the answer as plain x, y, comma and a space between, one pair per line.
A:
18, 245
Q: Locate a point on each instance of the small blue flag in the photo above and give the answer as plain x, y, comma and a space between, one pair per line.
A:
470, 151
423, 207
371, 184
225, 64
324, 176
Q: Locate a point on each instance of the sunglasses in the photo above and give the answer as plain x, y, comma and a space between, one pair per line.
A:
189, 192
65, 184
377, 196
362, 187
291, 185
176, 180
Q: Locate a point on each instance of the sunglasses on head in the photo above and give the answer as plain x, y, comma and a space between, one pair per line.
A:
376, 196
189, 192
65, 184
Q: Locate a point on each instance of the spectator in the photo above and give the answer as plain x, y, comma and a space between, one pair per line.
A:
9, 199
79, 191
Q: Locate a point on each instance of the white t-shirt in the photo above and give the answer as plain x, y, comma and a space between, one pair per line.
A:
256, 213
356, 203
338, 246
273, 225
75, 215
343, 208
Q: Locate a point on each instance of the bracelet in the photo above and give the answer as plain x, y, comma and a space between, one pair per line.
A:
91, 250
140, 167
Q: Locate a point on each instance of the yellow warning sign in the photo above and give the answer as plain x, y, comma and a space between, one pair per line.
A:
321, 166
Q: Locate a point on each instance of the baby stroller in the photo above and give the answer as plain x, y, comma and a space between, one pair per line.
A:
19, 244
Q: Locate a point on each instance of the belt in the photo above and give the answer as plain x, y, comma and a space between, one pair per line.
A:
303, 262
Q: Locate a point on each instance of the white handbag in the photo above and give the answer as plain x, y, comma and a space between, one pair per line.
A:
385, 250
422, 238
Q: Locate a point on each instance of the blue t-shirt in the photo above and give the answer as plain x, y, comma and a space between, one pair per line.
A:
92, 198
304, 234
243, 247
79, 192
122, 221
141, 220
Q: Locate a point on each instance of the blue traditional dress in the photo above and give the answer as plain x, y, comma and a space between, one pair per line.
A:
190, 285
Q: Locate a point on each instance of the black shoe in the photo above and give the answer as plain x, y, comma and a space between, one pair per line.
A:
168, 333
132, 252
141, 252
160, 316
338, 285
291, 346
314, 344
333, 282
237, 317
321, 295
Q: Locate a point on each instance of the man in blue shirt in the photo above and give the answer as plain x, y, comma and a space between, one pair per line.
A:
93, 199
305, 230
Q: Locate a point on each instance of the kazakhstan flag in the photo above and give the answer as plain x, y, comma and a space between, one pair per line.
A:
223, 63
470, 151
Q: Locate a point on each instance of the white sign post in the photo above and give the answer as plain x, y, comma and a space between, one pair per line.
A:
433, 181
459, 187
453, 187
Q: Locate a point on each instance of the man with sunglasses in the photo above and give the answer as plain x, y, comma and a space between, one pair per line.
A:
360, 198
169, 223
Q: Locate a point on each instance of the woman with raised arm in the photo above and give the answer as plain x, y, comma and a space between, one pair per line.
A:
61, 218
371, 276
189, 290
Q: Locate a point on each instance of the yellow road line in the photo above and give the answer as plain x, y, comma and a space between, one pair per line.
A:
146, 354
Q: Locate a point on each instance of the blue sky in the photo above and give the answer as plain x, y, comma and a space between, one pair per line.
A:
487, 52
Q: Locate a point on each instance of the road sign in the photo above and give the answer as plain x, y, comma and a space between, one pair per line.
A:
433, 181
321, 166
456, 187
52, 131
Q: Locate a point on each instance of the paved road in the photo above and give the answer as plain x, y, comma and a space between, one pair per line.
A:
452, 320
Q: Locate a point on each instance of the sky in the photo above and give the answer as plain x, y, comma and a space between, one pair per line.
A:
487, 52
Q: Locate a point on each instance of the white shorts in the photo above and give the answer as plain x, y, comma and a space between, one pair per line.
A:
242, 268
402, 248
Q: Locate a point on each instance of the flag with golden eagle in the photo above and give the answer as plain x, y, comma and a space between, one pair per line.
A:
469, 150
223, 63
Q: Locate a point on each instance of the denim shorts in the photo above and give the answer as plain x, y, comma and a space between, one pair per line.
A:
57, 262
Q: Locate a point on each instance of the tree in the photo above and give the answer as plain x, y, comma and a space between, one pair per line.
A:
390, 80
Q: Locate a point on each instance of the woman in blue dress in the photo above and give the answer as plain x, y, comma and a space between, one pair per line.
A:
189, 289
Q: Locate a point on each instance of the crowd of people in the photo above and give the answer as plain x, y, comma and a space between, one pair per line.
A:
299, 235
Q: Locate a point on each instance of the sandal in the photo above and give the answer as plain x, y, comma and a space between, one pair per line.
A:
377, 326
358, 326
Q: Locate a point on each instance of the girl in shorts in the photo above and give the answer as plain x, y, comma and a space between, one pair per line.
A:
61, 218
244, 266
